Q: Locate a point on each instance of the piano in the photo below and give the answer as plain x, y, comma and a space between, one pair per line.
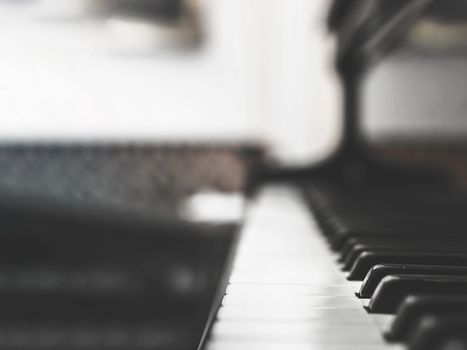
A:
366, 249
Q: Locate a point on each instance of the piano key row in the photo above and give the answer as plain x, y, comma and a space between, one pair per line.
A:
285, 291
413, 275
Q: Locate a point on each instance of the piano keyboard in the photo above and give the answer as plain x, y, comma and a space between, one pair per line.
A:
286, 290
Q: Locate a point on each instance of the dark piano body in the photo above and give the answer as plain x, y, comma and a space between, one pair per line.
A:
72, 276
95, 252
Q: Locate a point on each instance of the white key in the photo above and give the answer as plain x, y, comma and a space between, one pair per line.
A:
292, 313
286, 290
225, 345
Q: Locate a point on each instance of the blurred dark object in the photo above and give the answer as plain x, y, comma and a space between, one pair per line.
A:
94, 253
172, 22
70, 280
165, 10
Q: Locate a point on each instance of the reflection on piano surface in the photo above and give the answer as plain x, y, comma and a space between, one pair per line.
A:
364, 250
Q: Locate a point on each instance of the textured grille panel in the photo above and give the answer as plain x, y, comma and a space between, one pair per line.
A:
145, 179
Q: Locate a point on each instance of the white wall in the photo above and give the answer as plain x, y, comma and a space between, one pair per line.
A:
262, 75
299, 101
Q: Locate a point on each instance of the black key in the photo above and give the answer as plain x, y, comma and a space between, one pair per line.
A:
352, 242
437, 246
415, 307
378, 272
402, 242
393, 289
369, 259
343, 234
439, 333
346, 215
352, 259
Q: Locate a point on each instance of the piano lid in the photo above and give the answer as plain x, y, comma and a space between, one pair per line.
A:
367, 29
401, 64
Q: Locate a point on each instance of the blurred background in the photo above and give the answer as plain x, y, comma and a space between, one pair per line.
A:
229, 71
257, 72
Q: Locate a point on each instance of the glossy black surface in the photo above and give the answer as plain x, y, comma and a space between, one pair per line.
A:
393, 289
369, 259
439, 333
378, 272
415, 307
